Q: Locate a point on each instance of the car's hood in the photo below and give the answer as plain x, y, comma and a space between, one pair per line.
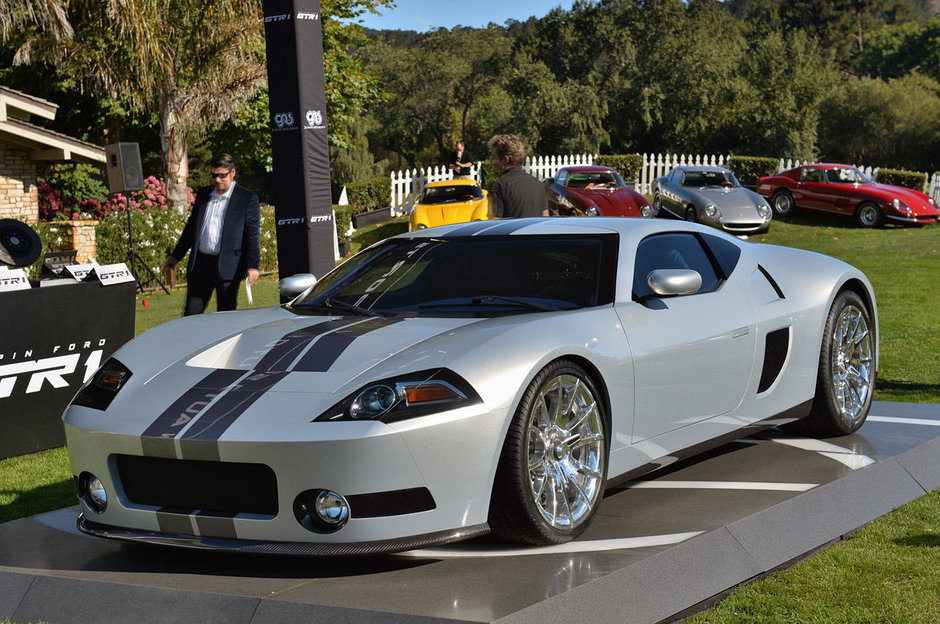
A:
336, 349
614, 202
455, 212
916, 200
738, 197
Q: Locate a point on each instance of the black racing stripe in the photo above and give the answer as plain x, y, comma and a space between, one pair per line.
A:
509, 226
330, 347
184, 409
287, 348
216, 527
175, 522
470, 229
218, 418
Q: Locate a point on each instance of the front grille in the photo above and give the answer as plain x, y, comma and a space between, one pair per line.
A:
742, 226
184, 485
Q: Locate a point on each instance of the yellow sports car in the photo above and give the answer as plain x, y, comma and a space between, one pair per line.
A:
449, 201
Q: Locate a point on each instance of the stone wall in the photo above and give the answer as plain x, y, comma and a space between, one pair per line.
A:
19, 198
79, 235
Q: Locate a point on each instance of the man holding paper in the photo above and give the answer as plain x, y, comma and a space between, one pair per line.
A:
223, 236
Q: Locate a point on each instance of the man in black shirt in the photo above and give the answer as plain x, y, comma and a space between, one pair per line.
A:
515, 194
460, 162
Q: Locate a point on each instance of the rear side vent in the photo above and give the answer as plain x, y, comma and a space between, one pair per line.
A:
776, 346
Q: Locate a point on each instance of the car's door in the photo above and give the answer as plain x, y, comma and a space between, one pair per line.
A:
813, 191
555, 192
693, 354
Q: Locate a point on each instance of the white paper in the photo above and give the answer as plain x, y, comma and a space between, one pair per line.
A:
110, 274
79, 271
248, 291
14, 279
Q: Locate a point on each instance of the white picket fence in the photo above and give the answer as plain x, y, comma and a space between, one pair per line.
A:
407, 185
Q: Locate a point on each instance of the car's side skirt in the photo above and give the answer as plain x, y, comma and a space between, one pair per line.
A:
793, 414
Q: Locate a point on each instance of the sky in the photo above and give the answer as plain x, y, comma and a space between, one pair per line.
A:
424, 15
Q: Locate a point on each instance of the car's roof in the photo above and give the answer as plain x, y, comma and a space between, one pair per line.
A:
456, 182
588, 168
685, 168
827, 166
547, 226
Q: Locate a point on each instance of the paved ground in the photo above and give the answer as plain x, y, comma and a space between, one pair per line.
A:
657, 548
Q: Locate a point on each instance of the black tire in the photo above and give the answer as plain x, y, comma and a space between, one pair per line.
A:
545, 441
845, 380
657, 204
869, 215
783, 203
690, 214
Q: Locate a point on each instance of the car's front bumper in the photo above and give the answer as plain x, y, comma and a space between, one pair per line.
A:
452, 456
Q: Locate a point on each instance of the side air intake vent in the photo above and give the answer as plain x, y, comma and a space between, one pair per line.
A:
776, 346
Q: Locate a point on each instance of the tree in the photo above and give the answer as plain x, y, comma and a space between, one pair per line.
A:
194, 63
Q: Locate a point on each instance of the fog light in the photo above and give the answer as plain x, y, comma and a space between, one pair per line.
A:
331, 508
93, 493
321, 511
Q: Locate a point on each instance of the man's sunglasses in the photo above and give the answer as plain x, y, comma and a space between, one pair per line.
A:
219, 175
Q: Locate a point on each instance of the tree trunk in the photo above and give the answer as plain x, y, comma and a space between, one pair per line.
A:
173, 139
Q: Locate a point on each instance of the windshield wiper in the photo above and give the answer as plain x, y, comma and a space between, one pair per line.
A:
529, 304
336, 304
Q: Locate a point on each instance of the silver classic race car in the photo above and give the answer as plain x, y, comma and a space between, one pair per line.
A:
442, 384
713, 196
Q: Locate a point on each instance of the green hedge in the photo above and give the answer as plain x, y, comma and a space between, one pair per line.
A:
748, 168
343, 219
370, 194
488, 174
899, 177
627, 165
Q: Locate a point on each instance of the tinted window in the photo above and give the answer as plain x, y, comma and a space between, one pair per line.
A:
560, 178
431, 277
813, 174
709, 178
725, 252
671, 251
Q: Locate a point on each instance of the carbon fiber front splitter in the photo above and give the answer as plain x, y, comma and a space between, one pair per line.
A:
300, 549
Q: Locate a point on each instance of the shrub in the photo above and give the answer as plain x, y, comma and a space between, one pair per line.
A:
627, 165
70, 191
367, 195
155, 233
343, 216
899, 177
268, 240
487, 175
748, 168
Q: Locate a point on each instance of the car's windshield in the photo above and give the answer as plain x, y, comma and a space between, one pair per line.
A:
449, 194
699, 179
475, 276
594, 180
847, 175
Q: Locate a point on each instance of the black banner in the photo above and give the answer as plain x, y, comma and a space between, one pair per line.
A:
300, 149
54, 338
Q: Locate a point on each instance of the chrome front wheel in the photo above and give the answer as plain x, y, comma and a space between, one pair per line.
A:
553, 467
852, 362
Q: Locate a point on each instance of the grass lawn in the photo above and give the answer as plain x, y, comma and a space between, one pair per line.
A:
884, 573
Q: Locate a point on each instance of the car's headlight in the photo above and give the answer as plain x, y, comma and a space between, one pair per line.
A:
900, 205
405, 396
100, 390
764, 211
712, 212
931, 201
646, 211
591, 211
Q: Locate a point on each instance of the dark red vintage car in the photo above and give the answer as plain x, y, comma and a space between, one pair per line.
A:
844, 190
594, 191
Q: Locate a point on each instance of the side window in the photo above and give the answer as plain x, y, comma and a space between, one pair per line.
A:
812, 174
725, 252
560, 177
676, 250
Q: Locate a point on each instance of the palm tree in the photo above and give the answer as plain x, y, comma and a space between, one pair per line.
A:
193, 63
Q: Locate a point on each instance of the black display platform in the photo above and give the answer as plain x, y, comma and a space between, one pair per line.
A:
53, 336
657, 549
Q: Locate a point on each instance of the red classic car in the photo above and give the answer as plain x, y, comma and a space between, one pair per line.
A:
844, 190
594, 191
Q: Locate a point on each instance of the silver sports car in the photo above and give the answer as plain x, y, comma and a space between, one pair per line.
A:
491, 376
713, 196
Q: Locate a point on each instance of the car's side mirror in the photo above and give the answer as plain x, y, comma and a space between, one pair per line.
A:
485, 192
666, 282
292, 286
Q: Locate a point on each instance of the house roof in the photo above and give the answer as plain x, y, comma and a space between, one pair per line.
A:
16, 111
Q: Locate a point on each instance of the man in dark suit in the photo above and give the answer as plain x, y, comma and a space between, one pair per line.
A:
223, 236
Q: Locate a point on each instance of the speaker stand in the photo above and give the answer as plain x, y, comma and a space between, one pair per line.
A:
143, 280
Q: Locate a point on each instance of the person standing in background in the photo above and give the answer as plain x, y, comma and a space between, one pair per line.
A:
515, 194
460, 162
222, 236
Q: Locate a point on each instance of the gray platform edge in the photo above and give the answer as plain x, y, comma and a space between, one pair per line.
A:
655, 589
